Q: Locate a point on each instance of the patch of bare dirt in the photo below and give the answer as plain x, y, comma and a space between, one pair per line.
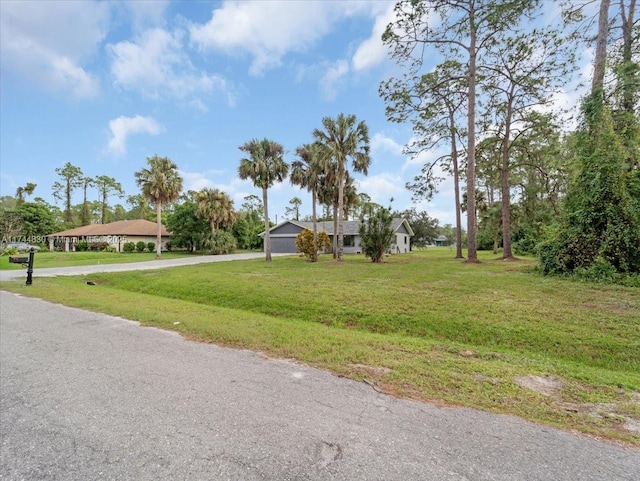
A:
547, 386
551, 387
376, 371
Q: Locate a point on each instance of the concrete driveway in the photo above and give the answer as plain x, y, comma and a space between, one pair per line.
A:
131, 266
89, 396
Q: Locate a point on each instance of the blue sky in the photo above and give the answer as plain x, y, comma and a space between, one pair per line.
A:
104, 85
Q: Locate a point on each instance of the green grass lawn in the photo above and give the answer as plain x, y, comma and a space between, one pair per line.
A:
494, 336
64, 259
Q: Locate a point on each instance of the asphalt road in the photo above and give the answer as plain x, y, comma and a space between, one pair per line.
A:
86, 396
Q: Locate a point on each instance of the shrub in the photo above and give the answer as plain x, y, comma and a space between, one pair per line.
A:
304, 243
376, 234
82, 246
98, 246
140, 246
111, 249
167, 246
151, 246
129, 247
9, 251
222, 242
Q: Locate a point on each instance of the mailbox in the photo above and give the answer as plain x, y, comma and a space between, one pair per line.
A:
26, 262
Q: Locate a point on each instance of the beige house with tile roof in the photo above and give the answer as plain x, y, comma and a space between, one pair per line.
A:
116, 234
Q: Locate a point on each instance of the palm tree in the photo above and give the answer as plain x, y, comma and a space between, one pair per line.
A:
216, 207
264, 166
308, 172
161, 184
328, 194
344, 139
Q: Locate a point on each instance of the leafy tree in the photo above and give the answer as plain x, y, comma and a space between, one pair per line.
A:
265, 165
139, 207
432, 102
307, 244
70, 178
249, 224
600, 226
216, 207
27, 189
344, 139
425, 228
119, 213
188, 230
599, 233
8, 203
293, 212
37, 219
161, 184
461, 31
107, 186
11, 226
86, 213
521, 76
376, 235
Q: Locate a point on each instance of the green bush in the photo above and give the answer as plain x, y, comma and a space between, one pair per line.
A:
129, 247
222, 242
376, 234
141, 246
151, 246
111, 249
82, 246
9, 251
304, 243
527, 245
98, 246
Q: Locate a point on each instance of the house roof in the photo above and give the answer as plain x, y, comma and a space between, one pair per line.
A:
350, 227
137, 227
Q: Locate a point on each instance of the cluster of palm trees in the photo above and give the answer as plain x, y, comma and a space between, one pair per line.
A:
321, 168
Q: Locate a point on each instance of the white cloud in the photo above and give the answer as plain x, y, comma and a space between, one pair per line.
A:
235, 187
265, 30
47, 42
382, 143
332, 79
156, 65
146, 14
268, 31
123, 127
372, 51
381, 187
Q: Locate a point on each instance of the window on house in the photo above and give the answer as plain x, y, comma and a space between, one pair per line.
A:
405, 239
349, 241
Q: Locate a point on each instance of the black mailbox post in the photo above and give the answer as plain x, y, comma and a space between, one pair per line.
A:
26, 262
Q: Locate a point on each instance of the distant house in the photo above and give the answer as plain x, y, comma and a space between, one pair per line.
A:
441, 240
283, 235
116, 234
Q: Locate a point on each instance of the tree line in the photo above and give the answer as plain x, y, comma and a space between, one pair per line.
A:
207, 219
477, 81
